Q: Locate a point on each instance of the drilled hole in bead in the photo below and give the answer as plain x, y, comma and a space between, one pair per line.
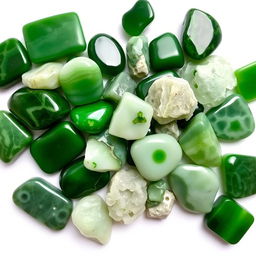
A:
62, 215
24, 197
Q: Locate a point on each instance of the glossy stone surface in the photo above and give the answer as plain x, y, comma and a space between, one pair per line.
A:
76, 181
107, 53
165, 52
238, 174
229, 220
38, 109
200, 143
156, 155
138, 18
14, 61
81, 81
44, 202
14, 137
48, 39
195, 187
57, 147
232, 120
201, 34
92, 118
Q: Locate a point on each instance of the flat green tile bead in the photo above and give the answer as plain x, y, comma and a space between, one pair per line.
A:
138, 18
38, 109
44, 202
81, 81
201, 34
229, 220
92, 118
54, 37
238, 175
76, 181
233, 119
57, 147
165, 52
107, 53
14, 61
200, 143
14, 137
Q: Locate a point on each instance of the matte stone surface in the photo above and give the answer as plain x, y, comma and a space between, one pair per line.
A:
44, 202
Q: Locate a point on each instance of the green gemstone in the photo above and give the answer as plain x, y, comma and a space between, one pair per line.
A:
232, 120
107, 53
54, 37
165, 52
201, 34
200, 143
44, 202
92, 118
57, 147
144, 85
229, 220
76, 181
14, 61
14, 137
81, 81
38, 109
138, 18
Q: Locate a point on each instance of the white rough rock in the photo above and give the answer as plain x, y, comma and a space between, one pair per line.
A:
170, 129
140, 70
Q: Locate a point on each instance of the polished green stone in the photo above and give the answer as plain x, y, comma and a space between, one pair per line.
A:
54, 37
233, 119
57, 147
144, 85
165, 52
201, 34
81, 81
246, 85
38, 109
92, 118
14, 137
138, 18
238, 174
107, 53
14, 61
76, 181
44, 202
229, 220
200, 143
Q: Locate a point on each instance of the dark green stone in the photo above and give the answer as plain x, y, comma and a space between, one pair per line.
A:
76, 181
44, 202
38, 109
201, 34
107, 53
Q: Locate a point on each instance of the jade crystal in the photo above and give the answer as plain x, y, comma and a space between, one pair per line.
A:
44, 202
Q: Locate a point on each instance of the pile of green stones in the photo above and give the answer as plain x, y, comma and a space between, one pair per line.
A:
134, 130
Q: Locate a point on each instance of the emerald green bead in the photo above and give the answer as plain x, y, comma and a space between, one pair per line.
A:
144, 85
55, 148
238, 174
54, 37
107, 53
165, 52
92, 118
81, 81
38, 109
201, 34
76, 181
138, 18
44, 202
14, 137
14, 61
229, 220
232, 120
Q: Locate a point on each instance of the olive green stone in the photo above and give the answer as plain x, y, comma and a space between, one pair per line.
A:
38, 109
44, 202
14, 137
